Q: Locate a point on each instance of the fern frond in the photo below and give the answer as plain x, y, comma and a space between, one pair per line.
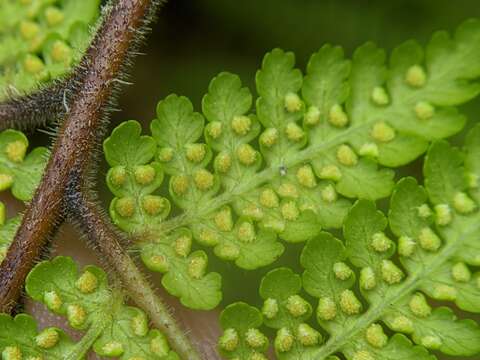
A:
21, 173
40, 40
112, 328
434, 232
294, 166
241, 337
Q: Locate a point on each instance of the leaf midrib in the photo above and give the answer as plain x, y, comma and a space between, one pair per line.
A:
376, 311
266, 175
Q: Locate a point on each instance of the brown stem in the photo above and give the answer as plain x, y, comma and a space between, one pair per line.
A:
78, 136
103, 236
36, 109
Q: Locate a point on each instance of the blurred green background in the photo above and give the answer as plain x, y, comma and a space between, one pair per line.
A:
193, 40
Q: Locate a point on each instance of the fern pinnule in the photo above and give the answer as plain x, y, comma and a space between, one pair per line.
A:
111, 328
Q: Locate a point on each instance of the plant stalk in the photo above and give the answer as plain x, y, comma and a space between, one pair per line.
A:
83, 127
103, 236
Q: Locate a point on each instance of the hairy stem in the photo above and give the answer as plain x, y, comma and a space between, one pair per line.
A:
101, 71
81, 348
103, 236
36, 109
78, 136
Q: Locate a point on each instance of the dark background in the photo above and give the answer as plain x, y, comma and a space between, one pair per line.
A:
193, 40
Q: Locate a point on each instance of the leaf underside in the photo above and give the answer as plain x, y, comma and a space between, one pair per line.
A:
388, 273
240, 179
110, 328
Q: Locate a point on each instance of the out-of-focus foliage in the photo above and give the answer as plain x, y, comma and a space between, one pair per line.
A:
41, 39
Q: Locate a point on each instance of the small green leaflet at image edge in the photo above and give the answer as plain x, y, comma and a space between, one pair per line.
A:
41, 40
433, 230
21, 173
111, 328
240, 179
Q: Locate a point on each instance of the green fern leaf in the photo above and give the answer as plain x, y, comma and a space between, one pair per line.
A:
51, 343
241, 338
287, 312
40, 40
19, 171
112, 329
243, 180
134, 178
435, 236
8, 228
